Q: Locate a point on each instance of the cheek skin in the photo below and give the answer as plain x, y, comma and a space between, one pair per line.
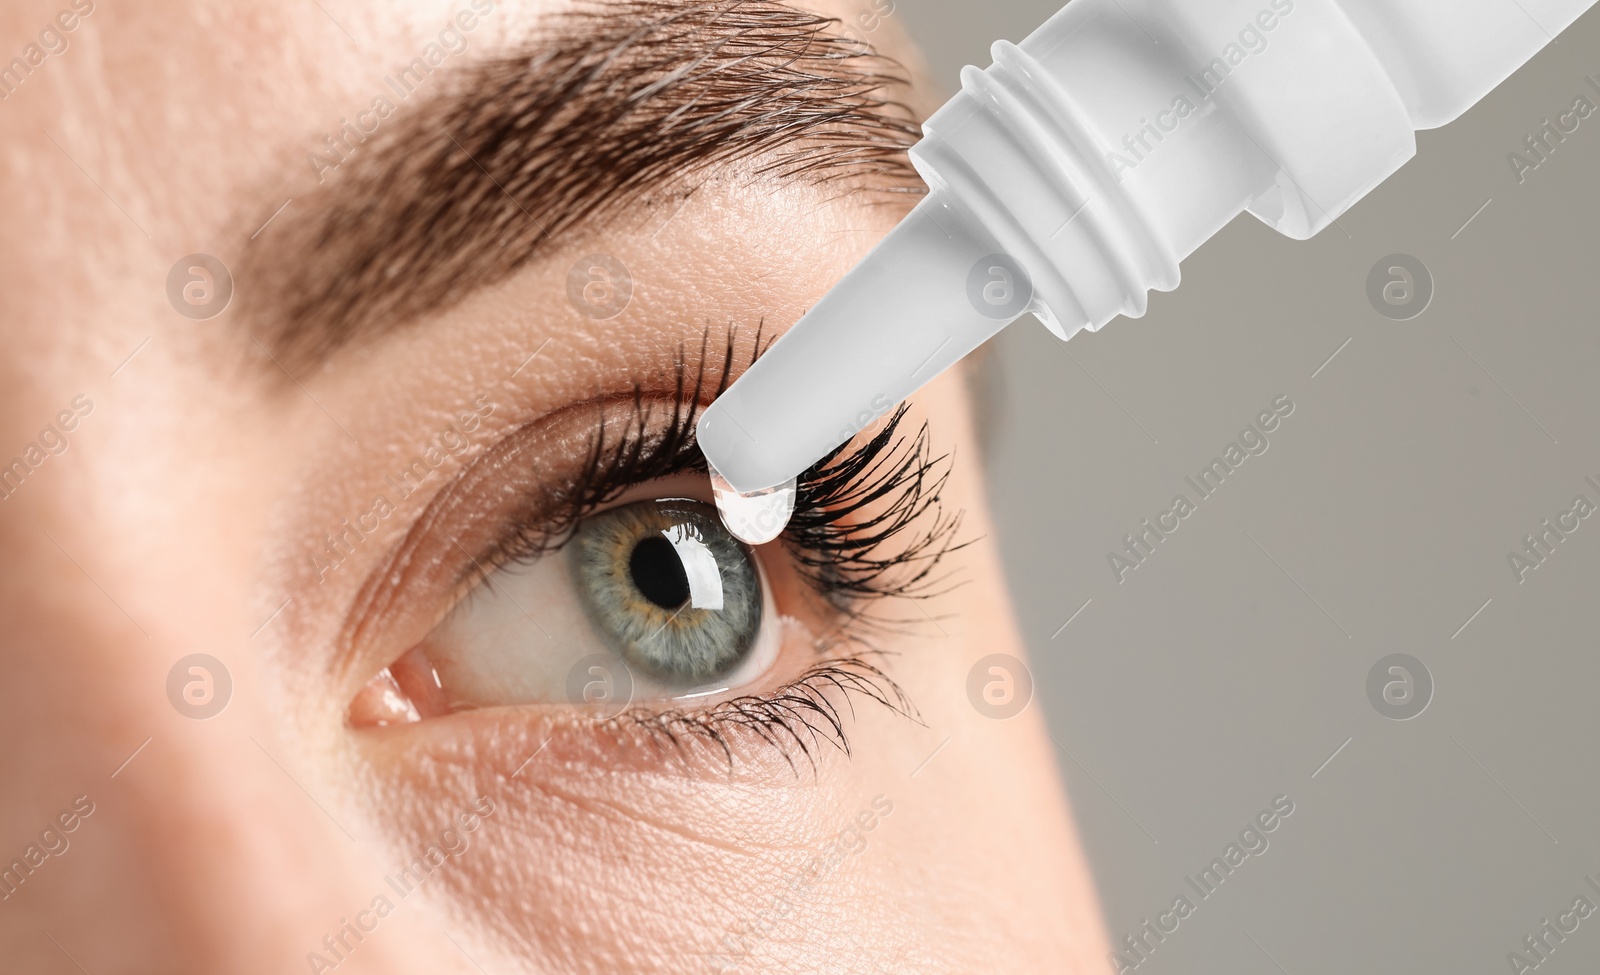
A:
620, 857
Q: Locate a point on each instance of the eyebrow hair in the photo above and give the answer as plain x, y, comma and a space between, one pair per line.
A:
612, 105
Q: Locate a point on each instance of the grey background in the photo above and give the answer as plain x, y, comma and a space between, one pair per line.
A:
1231, 666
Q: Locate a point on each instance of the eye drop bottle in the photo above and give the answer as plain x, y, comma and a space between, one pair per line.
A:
1071, 177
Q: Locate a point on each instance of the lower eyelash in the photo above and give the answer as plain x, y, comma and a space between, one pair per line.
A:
798, 717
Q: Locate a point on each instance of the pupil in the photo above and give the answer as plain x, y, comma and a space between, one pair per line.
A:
658, 572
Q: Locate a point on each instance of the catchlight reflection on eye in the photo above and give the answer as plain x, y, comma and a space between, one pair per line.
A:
675, 568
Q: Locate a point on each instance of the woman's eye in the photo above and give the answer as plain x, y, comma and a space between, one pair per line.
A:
650, 600
670, 590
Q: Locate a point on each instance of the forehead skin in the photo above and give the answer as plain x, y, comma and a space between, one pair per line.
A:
174, 520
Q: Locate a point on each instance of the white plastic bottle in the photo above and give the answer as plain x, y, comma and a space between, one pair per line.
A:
1070, 178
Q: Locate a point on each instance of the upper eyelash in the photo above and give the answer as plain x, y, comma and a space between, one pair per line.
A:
847, 505
891, 485
641, 454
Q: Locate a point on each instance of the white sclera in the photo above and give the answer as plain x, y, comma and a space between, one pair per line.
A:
756, 518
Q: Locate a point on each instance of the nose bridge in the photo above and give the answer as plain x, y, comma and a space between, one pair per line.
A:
218, 841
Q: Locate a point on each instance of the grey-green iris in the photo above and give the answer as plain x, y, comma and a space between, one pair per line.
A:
676, 596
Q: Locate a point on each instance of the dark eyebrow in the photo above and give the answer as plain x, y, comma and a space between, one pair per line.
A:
613, 106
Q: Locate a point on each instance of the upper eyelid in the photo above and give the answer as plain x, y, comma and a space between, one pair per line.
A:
373, 604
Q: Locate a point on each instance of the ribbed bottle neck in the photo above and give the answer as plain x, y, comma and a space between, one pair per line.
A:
1013, 153
1111, 143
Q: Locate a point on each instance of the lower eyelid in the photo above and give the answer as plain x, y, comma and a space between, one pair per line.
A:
807, 721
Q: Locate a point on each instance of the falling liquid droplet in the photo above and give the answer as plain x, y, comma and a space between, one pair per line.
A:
755, 518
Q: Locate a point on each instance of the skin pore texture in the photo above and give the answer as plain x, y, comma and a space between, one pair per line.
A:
190, 510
